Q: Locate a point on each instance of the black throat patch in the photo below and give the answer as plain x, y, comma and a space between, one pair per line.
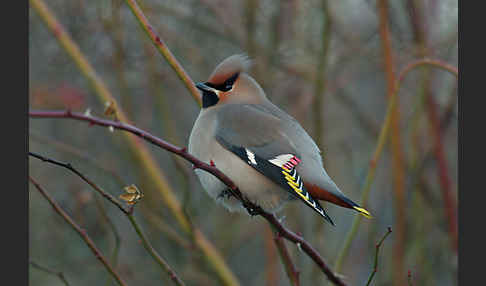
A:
209, 98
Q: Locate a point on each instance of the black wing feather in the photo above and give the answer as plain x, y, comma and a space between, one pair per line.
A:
289, 180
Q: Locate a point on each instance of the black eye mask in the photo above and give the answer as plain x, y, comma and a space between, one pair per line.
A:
226, 85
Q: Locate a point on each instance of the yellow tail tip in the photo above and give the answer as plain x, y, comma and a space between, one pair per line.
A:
364, 212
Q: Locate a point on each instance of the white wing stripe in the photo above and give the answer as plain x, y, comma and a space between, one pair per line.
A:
280, 160
251, 157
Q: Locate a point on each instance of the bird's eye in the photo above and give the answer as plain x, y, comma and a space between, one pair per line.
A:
229, 82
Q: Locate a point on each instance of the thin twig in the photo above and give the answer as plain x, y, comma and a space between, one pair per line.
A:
198, 164
161, 261
93, 185
292, 272
79, 230
379, 148
443, 174
128, 212
377, 249
47, 270
302, 244
81, 154
272, 276
398, 171
164, 50
116, 235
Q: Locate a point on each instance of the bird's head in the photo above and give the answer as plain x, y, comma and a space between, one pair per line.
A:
230, 83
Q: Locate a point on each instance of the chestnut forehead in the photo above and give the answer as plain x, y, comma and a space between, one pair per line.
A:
221, 78
229, 67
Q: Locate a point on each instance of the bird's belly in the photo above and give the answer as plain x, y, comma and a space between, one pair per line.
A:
253, 185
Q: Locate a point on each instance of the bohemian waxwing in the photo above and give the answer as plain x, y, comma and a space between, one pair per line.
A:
262, 149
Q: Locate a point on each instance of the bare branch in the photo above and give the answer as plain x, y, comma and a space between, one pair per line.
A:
79, 230
128, 212
198, 164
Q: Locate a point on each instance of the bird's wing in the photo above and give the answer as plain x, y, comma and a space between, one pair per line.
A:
257, 138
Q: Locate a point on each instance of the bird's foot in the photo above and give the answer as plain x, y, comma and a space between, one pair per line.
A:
252, 211
225, 194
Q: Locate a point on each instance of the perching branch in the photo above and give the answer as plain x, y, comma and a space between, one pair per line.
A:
128, 212
80, 231
378, 245
198, 164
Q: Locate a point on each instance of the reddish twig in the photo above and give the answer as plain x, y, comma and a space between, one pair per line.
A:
198, 164
398, 171
79, 230
443, 174
303, 244
377, 249
287, 261
430, 62
271, 258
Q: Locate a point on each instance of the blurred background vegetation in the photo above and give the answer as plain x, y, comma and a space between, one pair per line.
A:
324, 62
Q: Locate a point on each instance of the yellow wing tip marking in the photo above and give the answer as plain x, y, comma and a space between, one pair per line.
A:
363, 212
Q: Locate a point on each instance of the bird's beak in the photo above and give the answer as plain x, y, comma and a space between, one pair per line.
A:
210, 96
203, 87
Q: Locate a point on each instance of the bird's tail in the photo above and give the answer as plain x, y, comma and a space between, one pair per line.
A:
336, 197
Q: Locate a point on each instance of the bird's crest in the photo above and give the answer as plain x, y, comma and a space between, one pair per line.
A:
229, 67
